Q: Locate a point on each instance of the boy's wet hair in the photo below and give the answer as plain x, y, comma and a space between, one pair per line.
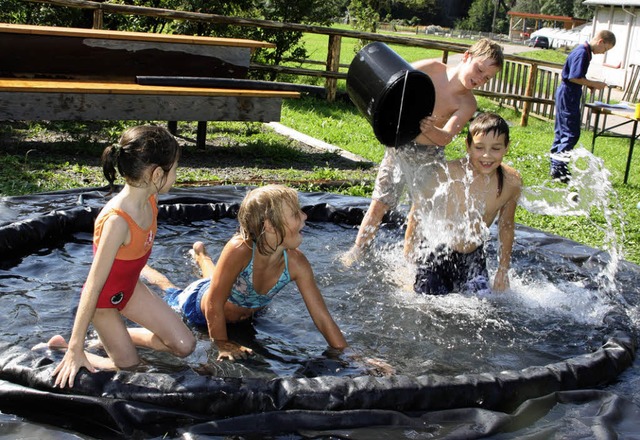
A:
486, 48
490, 123
262, 204
487, 123
139, 148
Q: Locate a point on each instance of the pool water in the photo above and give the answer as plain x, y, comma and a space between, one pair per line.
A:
558, 307
545, 318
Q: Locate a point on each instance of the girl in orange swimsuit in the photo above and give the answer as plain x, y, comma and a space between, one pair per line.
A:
147, 158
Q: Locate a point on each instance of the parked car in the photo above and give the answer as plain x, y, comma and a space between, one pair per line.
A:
539, 41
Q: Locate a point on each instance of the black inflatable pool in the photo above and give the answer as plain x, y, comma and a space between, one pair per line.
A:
167, 404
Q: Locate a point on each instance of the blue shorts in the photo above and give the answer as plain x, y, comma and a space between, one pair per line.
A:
445, 271
188, 301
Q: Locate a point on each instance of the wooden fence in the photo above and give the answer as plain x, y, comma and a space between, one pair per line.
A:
524, 84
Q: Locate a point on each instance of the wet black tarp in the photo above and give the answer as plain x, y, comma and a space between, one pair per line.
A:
125, 404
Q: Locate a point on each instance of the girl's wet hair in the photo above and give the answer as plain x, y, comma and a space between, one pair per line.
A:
139, 148
490, 123
262, 204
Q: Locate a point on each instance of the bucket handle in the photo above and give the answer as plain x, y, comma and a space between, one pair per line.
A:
404, 87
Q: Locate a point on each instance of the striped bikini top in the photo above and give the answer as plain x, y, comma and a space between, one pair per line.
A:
243, 294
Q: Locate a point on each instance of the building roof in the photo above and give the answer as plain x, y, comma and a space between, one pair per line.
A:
546, 17
611, 2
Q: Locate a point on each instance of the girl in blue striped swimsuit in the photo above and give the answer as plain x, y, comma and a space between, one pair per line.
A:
255, 264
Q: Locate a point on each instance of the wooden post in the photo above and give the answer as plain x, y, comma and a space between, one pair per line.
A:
333, 65
445, 56
98, 18
201, 138
531, 79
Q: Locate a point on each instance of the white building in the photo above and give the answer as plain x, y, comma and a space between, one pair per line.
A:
565, 37
621, 18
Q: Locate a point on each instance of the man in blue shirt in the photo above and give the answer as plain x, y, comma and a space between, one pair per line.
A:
568, 97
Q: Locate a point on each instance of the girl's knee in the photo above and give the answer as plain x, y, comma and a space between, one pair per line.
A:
125, 362
126, 365
184, 347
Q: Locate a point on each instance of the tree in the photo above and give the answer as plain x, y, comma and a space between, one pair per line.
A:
582, 11
557, 7
17, 11
481, 17
568, 8
363, 15
529, 6
424, 11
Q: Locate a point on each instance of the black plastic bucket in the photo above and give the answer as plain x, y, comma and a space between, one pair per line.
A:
381, 83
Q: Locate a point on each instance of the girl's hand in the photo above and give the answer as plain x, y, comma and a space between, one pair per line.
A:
68, 368
232, 351
373, 366
378, 367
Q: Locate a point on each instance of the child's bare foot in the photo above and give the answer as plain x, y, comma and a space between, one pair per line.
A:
197, 251
202, 259
55, 343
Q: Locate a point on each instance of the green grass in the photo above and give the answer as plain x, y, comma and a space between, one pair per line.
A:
549, 55
317, 48
46, 156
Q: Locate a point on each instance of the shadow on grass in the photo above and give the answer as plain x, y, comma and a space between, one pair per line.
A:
228, 145
43, 156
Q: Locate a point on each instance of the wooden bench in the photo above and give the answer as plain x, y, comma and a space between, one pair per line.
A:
50, 73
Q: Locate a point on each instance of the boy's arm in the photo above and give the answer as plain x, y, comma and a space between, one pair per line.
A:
506, 232
305, 280
435, 128
409, 236
598, 85
443, 135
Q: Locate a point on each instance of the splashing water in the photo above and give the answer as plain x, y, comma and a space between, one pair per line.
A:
449, 213
448, 207
588, 192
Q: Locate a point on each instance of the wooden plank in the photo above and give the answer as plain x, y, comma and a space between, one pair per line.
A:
153, 107
131, 36
73, 57
17, 85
